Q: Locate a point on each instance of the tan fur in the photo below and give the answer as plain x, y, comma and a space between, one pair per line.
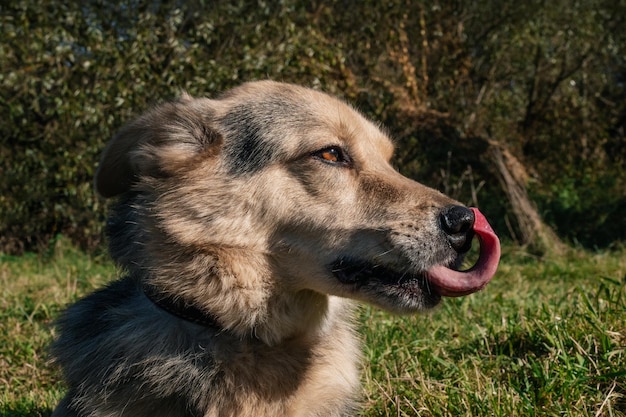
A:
226, 205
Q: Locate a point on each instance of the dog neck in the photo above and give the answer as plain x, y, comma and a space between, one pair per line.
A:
179, 308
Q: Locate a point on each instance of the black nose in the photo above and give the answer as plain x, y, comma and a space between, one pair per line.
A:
457, 223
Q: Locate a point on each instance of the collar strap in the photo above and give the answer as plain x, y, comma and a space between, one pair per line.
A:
179, 308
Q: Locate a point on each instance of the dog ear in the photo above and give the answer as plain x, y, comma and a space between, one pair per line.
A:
159, 143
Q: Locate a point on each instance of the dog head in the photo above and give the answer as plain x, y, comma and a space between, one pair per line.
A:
273, 189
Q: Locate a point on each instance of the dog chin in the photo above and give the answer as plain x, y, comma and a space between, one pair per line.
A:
395, 291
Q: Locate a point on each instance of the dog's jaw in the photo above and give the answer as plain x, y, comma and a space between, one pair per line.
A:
389, 288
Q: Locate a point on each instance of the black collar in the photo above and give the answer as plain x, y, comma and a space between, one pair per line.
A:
180, 308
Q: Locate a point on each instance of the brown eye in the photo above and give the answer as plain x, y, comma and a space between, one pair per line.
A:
333, 155
330, 155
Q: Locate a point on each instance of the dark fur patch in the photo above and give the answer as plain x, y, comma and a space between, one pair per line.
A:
85, 322
254, 128
123, 229
251, 151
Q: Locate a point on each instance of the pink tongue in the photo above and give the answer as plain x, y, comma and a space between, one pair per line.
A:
451, 283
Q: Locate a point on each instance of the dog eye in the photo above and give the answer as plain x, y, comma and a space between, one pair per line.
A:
332, 155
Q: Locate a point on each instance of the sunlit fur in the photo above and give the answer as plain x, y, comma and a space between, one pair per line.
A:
226, 205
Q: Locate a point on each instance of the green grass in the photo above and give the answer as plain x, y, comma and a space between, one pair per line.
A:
33, 290
546, 338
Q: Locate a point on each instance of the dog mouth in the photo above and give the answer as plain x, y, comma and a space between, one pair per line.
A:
358, 273
439, 280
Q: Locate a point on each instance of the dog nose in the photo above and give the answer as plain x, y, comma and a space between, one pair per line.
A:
457, 223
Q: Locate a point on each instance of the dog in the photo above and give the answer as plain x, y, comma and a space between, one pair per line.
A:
248, 227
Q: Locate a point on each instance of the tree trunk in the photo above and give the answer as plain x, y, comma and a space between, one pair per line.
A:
533, 232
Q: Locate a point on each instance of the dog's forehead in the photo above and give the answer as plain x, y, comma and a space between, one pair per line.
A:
361, 135
338, 119
267, 121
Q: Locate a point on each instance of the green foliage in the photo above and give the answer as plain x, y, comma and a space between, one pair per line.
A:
546, 337
586, 206
446, 78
